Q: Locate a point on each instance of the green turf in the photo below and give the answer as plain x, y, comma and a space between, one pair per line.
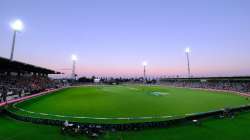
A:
128, 101
220, 129
237, 128
16, 130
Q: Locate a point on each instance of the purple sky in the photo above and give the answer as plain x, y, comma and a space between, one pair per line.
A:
113, 37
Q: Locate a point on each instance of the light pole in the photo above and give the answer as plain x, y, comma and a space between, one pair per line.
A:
74, 59
144, 63
17, 26
187, 51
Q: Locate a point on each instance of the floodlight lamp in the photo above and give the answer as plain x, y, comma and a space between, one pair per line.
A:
74, 57
144, 63
17, 25
187, 50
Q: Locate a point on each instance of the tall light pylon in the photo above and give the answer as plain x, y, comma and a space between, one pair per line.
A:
187, 51
17, 26
144, 63
74, 59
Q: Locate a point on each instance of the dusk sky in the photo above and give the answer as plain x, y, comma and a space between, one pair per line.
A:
113, 37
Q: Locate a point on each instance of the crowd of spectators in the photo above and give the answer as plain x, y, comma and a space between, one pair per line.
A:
230, 85
19, 86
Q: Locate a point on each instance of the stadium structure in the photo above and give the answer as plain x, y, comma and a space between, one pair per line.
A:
34, 104
112, 108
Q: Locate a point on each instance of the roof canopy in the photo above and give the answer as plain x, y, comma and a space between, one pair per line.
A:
14, 66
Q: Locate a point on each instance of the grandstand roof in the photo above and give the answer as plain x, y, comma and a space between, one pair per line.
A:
15, 66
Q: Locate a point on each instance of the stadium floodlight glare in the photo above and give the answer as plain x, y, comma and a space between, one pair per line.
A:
74, 59
144, 63
17, 26
187, 51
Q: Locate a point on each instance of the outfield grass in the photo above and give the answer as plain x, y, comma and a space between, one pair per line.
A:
213, 129
15, 130
237, 128
113, 104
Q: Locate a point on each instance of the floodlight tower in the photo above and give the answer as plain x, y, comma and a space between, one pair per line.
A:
144, 63
74, 59
17, 26
187, 51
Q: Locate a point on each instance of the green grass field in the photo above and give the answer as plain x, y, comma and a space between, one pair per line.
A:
16, 130
211, 129
124, 104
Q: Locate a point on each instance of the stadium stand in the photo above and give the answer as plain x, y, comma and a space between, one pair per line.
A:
19, 79
237, 84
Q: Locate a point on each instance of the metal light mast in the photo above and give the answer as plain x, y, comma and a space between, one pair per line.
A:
17, 26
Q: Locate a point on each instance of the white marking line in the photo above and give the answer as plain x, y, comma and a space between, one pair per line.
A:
122, 118
31, 112
166, 116
57, 115
189, 114
43, 114
95, 118
146, 117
